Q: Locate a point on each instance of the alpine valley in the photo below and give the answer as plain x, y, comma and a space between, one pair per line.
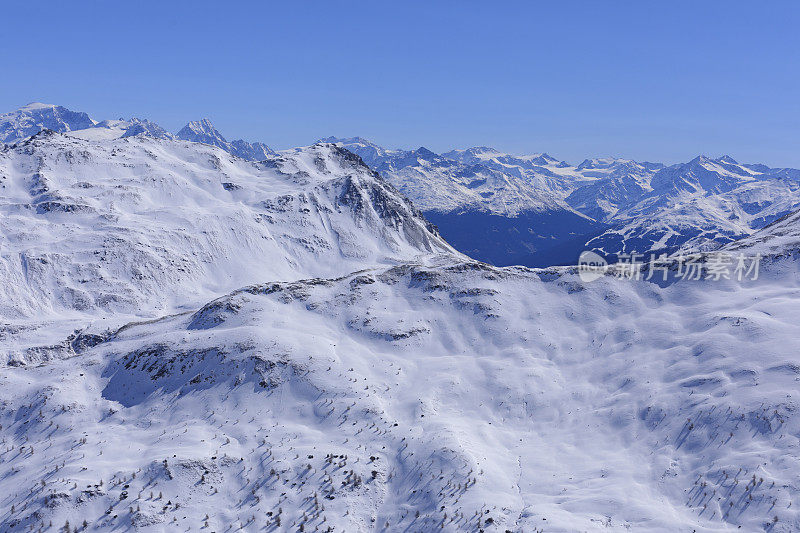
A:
538, 211
199, 334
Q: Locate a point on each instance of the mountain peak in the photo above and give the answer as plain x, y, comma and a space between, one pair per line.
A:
202, 126
424, 153
202, 131
145, 127
701, 159
36, 116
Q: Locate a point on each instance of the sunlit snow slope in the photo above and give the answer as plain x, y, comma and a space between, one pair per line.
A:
139, 225
456, 397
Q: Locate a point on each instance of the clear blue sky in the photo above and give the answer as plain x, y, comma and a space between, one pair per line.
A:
658, 81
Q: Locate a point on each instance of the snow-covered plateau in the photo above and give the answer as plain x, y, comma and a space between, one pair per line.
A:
193, 341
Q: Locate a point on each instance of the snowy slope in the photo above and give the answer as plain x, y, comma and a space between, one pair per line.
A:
775, 241
453, 397
107, 225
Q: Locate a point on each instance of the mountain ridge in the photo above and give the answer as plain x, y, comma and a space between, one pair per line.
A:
508, 209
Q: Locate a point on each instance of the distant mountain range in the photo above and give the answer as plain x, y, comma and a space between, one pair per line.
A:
536, 210
533, 210
32, 118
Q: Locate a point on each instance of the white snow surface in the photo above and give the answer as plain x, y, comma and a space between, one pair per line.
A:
454, 397
138, 225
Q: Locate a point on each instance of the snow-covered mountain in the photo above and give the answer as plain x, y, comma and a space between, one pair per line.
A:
478, 179
494, 207
778, 240
701, 205
106, 225
619, 184
193, 341
32, 118
533, 210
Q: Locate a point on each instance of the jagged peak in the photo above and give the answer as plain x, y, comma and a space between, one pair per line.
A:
424, 153
202, 126
701, 159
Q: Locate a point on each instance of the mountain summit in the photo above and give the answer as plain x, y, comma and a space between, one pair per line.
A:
116, 220
32, 118
203, 131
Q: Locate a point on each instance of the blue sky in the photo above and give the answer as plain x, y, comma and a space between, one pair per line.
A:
652, 81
